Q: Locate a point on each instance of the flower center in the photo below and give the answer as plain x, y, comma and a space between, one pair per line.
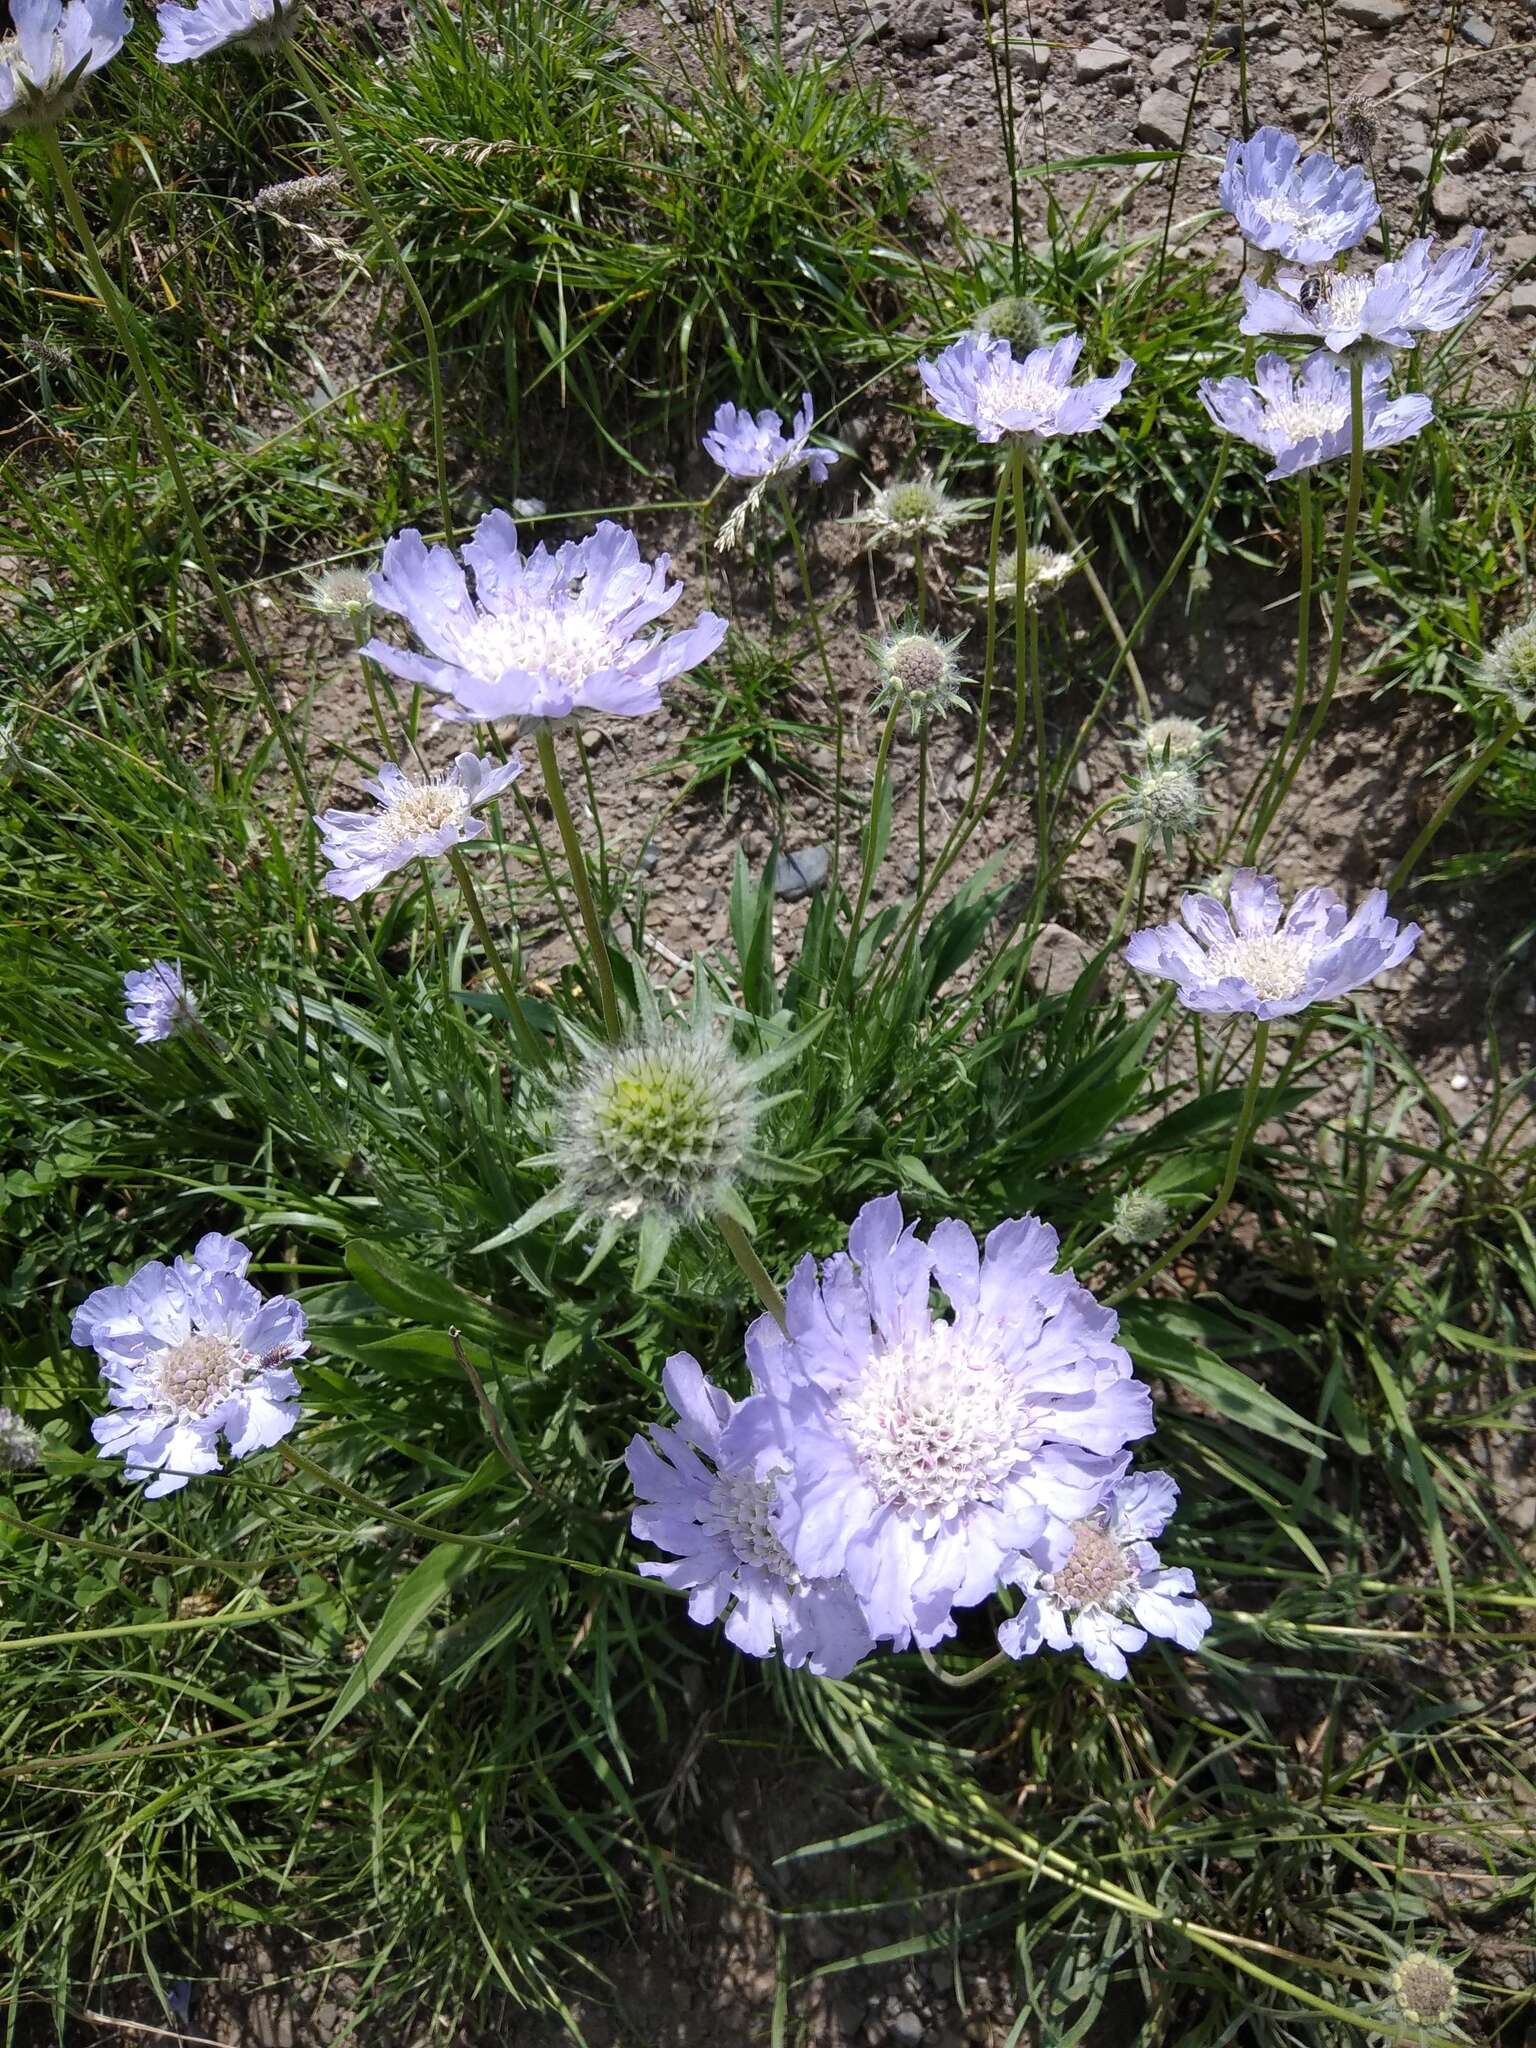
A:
1426, 1990
198, 1373
1340, 299
742, 1508
1014, 387
911, 505
1095, 1572
1283, 210
918, 664
937, 1428
558, 639
1307, 418
423, 809
1275, 968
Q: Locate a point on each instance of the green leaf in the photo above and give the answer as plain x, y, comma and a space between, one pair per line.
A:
1157, 1347
412, 1601
400, 1285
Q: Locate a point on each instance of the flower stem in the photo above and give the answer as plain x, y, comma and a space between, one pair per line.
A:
757, 1274
966, 1679
871, 852
123, 319
1026, 664
834, 702
1483, 759
310, 86
1265, 780
1276, 799
1101, 595
1240, 1137
528, 1039
581, 882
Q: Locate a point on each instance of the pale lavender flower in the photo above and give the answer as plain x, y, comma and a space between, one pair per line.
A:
545, 634
749, 447
187, 33
1393, 305
977, 382
1253, 963
158, 1002
919, 1454
719, 1519
413, 821
1303, 208
1104, 1588
55, 47
1301, 418
191, 1352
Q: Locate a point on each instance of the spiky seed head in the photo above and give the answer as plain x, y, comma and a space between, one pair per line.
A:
919, 674
1138, 1217
912, 508
1044, 569
1424, 1989
1167, 798
1174, 738
342, 594
296, 198
1199, 582
47, 353
20, 1446
1509, 667
1018, 321
1357, 129
660, 1126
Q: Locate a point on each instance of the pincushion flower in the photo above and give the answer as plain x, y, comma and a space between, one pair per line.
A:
1301, 418
1257, 963
1105, 1589
54, 47
719, 1519
924, 1452
413, 821
1415, 294
191, 1352
545, 634
757, 447
187, 33
977, 382
1302, 208
158, 1002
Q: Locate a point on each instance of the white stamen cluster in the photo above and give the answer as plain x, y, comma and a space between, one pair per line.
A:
341, 593
742, 1509
1308, 417
421, 808
196, 1374
1096, 1572
565, 642
1275, 968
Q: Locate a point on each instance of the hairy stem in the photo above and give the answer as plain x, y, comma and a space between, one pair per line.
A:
581, 881
757, 1275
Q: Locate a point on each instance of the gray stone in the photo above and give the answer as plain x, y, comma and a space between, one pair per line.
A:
1160, 119
1030, 60
1060, 958
1290, 62
1522, 302
1100, 59
1453, 201
1172, 60
1176, 10
1518, 250
1374, 14
1474, 29
906, 2030
919, 24
800, 873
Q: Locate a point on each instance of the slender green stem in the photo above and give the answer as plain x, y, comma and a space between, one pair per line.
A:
123, 319
1482, 760
1303, 665
528, 1039
757, 1275
967, 1679
1101, 596
1276, 799
310, 86
581, 881
834, 702
1240, 1137
922, 805
1026, 665
871, 851
921, 574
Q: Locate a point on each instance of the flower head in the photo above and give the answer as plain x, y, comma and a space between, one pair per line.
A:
920, 1452
1016, 320
1301, 418
158, 1002
911, 509
719, 1519
1251, 963
1166, 798
1175, 738
1415, 294
1304, 208
1509, 667
1357, 129
1044, 570
54, 48
758, 447
342, 593
1138, 1217
544, 635
413, 821
1103, 1587
20, 1446
187, 33
977, 382
1424, 1989
918, 672
191, 1352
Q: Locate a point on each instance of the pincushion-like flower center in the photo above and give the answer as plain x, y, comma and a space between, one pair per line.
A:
1425, 1989
1275, 968
918, 664
913, 505
938, 1427
742, 1509
559, 639
1096, 1571
198, 1373
1014, 387
1308, 417
1284, 209
422, 809
1340, 299
666, 1123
